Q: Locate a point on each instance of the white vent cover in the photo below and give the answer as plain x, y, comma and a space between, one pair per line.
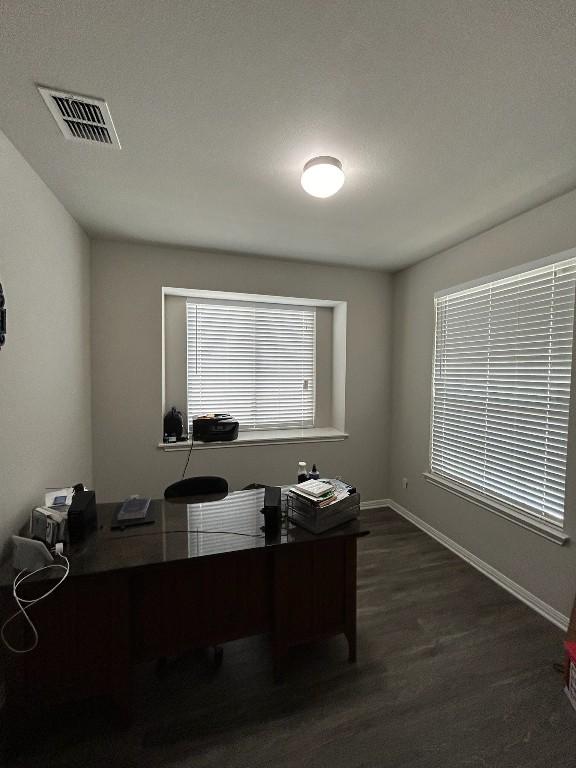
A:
81, 118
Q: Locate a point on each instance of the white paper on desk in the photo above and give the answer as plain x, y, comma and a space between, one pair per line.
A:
58, 497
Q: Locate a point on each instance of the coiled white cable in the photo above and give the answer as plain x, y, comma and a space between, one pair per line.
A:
24, 604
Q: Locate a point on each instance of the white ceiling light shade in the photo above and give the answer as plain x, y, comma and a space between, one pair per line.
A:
322, 176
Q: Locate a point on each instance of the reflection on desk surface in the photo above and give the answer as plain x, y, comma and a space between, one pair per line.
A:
226, 525
180, 532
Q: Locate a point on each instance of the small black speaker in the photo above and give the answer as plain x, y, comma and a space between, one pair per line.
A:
272, 510
82, 518
273, 496
173, 426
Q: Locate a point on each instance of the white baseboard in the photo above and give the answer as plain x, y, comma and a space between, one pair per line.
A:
538, 605
375, 503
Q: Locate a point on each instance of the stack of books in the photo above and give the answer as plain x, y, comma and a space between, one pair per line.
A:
318, 505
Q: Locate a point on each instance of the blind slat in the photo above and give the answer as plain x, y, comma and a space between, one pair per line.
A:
501, 387
254, 361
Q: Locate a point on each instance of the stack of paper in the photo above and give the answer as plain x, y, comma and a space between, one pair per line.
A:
321, 505
318, 492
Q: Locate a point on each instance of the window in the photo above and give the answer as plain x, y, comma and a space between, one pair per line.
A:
254, 361
278, 363
501, 388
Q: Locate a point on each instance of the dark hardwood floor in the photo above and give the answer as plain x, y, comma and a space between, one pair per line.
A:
451, 671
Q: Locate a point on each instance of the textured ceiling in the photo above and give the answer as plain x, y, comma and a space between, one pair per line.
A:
449, 116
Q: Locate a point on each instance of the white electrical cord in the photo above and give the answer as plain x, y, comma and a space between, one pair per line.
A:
24, 604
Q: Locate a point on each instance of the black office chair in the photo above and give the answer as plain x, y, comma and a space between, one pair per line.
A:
197, 489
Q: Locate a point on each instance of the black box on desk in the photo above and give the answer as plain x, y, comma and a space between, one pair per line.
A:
318, 519
81, 515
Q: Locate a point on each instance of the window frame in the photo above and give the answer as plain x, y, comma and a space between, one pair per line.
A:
336, 430
527, 519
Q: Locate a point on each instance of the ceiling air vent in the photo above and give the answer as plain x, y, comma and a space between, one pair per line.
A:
81, 118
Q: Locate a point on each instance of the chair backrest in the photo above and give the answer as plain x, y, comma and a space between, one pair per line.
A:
197, 489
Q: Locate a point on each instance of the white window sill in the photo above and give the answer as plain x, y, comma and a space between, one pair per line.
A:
265, 437
542, 528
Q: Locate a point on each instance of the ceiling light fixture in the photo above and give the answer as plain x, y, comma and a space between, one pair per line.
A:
322, 176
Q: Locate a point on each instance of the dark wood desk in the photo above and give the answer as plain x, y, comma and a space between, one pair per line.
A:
200, 575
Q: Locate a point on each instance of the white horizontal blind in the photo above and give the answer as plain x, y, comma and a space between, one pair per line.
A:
501, 388
254, 361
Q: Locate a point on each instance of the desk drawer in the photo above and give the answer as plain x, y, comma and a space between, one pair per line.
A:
311, 584
197, 603
84, 643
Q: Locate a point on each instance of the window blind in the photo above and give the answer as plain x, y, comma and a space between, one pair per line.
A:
254, 361
501, 388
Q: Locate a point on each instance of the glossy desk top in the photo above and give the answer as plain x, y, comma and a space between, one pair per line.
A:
181, 532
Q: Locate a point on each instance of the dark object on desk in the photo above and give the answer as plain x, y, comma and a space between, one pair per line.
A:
272, 520
136, 597
318, 519
214, 428
272, 510
194, 487
81, 514
272, 496
132, 511
173, 426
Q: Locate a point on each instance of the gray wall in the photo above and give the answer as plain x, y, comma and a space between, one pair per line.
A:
126, 359
45, 420
542, 567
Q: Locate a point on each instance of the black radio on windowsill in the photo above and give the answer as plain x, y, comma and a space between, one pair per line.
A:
214, 427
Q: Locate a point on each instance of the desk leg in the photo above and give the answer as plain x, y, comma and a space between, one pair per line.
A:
351, 637
351, 599
279, 655
122, 701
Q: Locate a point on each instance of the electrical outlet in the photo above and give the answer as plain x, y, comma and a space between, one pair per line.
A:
404, 482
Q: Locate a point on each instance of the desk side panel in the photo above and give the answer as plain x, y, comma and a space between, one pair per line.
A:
198, 603
83, 648
311, 591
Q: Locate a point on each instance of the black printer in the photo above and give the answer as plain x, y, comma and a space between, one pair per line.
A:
214, 427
